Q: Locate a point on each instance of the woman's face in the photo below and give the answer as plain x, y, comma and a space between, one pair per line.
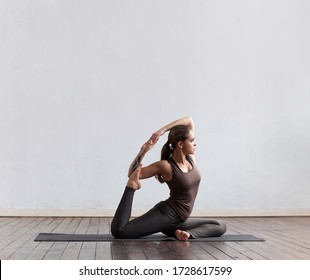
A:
189, 145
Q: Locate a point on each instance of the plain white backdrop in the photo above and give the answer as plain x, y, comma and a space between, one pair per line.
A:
83, 84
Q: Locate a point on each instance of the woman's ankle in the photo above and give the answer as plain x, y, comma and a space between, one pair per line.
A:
133, 181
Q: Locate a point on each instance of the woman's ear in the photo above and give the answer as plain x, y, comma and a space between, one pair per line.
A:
180, 144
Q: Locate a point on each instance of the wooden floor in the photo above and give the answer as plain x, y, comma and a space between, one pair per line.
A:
286, 238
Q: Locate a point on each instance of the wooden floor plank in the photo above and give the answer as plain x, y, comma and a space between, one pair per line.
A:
59, 249
186, 250
135, 251
119, 251
15, 241
273, 246
286, 238
88, 249
205, 252
103, 249
161, 251
29, 245
42, 248
289, 249
72, 250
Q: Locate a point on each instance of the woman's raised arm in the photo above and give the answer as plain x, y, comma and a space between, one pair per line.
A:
187, 121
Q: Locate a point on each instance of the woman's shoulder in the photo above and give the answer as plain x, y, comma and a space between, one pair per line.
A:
161, 165
166, 170
164, 163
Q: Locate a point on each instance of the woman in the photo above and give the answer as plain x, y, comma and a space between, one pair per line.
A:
177, 168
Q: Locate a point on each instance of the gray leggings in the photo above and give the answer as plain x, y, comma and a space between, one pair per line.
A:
161, 218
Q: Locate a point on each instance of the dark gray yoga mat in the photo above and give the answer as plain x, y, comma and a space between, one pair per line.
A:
53, 237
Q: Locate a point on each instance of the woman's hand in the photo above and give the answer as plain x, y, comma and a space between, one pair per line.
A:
153, 140
155, 136
148, 145
144, 149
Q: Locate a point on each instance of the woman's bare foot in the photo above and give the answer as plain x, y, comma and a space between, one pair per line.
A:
182, 235
133, 181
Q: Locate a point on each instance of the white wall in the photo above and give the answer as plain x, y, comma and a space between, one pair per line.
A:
84, 83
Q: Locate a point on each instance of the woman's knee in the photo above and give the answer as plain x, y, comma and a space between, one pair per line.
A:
118, 233
123, 233
222, 228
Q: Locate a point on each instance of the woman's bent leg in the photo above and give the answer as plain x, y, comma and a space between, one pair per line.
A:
123, 213
119, 226
122, 227
160, 217
198, 227
151, 222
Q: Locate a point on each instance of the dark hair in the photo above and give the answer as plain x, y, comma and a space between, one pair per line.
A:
176, 134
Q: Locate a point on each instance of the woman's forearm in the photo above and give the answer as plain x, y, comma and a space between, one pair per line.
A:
187, 121
138, 159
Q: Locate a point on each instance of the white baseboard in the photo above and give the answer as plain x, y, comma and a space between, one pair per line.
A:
137, 212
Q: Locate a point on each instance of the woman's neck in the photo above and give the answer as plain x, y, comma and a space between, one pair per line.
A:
181, 160
179, 157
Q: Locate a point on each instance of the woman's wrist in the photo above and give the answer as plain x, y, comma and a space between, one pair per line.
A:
163, 130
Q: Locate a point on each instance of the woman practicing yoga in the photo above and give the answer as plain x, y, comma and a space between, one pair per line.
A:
178, 170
